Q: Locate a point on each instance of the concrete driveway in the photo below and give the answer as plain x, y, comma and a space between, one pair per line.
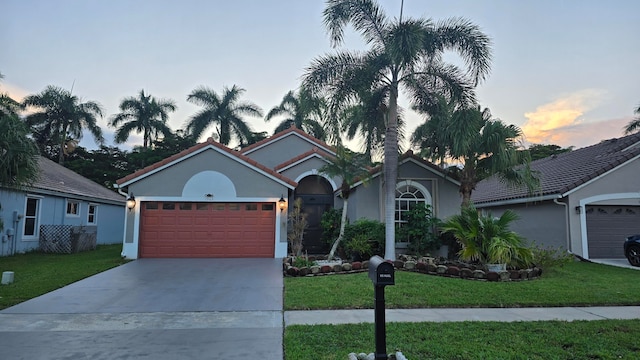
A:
155, 309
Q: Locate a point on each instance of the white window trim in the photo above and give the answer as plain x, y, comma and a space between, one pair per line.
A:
36, 230
66, 208
95, 214
427, 196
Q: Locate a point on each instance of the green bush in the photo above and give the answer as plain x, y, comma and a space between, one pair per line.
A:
419, 230
303, 261
364, 238
330, 225
550, 257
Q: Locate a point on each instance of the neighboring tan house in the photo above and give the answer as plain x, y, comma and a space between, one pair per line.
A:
588, 202
211, 201
58, 197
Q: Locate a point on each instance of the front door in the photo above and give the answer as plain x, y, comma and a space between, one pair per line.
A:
314, 206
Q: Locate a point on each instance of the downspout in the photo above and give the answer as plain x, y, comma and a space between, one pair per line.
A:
568, 230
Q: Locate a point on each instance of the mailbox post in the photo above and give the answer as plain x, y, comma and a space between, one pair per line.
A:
381, 274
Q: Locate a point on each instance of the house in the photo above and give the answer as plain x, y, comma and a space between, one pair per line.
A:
588, 201
58, 197
211, 201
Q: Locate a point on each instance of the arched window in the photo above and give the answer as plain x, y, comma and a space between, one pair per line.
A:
409, 193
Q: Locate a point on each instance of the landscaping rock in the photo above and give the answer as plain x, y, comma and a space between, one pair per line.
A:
315, 269
398, 264
346, 267
504, 275
432, 268
453, 270
466, 273
356, 265
365, 264
493, 276
479, 274
410, 265
427, 260
515, 274
304, 271
441, 269
422, 267
337, 268
293, 271
325, 269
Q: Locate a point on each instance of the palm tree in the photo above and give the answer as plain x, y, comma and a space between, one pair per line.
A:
404, 53
351, 168
634, 125
224, 111
302, 110
483, 146
367, 119
142, 114
62, 117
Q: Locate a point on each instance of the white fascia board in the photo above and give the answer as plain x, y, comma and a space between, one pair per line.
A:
518, 201
438, 173
303, 160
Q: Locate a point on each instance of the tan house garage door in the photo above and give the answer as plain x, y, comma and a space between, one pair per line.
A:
183, 230
608, 226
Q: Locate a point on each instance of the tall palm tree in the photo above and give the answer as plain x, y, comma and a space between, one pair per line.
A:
367, 119
482, 146
225, 112
62, 117
301, 109
350, 167
634, 125
404, 54
142, 114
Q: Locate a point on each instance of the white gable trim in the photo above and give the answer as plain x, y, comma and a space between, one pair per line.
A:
315, 172
201, 150
310, 156
293, 133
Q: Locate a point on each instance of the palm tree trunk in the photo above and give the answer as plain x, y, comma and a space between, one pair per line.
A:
391, 172
63, 140
342, 226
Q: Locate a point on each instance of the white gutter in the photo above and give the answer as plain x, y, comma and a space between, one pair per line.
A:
518, 201
568, 231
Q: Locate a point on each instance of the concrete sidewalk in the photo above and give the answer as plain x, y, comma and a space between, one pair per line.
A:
315, 317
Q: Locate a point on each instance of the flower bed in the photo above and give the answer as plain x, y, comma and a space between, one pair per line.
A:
424, 265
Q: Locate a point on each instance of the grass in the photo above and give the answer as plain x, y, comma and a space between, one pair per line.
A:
610, 339
575, 284
39, 273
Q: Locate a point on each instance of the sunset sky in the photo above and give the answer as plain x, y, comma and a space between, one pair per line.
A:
566, 72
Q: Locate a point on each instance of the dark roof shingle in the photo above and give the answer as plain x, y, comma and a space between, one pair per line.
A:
564, 172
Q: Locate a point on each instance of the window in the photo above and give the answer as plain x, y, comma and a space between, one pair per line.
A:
31, 217
151, 205
251, 207
73, 208
168, 206
408, 194
92, 214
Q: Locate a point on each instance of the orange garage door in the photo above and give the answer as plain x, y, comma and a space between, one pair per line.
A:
183, 230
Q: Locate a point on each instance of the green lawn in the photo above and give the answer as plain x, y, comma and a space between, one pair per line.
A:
576, 284
611, 339
37, 273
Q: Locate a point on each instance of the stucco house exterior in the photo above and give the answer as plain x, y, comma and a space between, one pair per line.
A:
588, 201
211, 201
58, 197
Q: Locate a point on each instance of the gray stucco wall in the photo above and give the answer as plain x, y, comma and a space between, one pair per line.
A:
542, 223
281, 150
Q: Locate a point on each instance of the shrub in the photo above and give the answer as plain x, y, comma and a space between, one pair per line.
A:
297, 226
302, 261
419, 230
330, 225
550, 257
364, 238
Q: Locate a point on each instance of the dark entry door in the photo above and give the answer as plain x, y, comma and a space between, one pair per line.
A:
314, 206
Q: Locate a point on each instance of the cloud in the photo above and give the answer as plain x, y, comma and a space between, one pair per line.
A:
549, 123
15, 92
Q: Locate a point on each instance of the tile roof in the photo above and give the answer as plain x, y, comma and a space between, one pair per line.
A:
283, 133
311, 152
209, 142
57, 178
564, 172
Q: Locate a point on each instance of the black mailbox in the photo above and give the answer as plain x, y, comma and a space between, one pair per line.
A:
381, 272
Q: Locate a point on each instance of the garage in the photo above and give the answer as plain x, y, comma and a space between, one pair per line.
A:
608, 226
199, 229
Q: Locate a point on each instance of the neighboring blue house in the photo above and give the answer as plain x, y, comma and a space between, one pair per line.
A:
58, 197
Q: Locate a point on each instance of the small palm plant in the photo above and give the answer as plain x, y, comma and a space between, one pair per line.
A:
487, 239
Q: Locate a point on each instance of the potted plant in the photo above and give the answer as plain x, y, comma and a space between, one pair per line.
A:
488, 240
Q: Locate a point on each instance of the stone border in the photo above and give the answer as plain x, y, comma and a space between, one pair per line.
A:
424, 265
